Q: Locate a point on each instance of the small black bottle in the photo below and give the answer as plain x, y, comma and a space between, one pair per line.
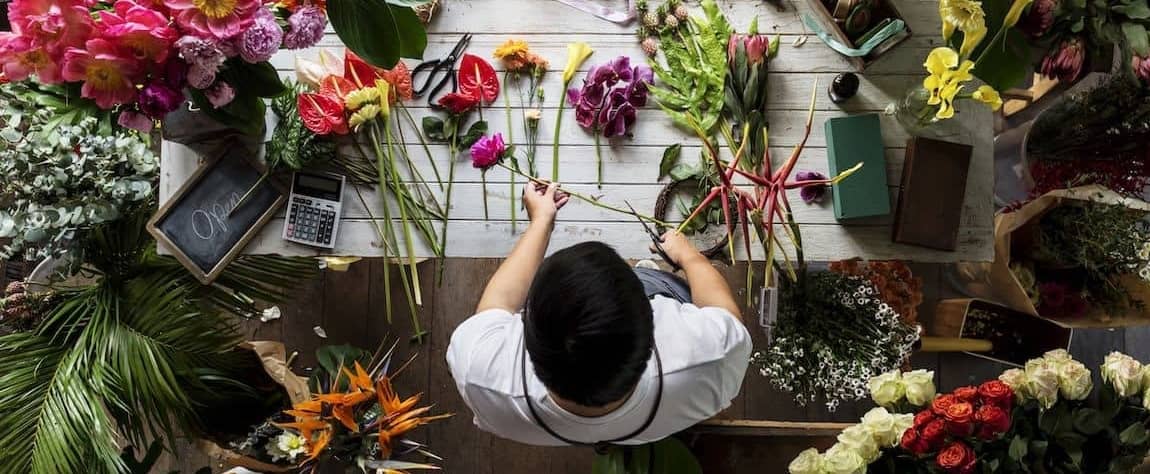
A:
843, 87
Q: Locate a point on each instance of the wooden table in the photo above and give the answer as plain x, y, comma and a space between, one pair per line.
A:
631, 166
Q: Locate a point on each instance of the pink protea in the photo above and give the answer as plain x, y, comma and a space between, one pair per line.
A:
488, 151
1065, 62
107, 74
142, 30
214, 19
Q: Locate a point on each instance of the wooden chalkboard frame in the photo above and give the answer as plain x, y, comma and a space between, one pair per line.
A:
153, 224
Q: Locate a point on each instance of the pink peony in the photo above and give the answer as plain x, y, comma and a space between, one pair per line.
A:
140, 29
135, 121
487, 151
54, 25
21, 60
106, 73
214, 19
220, 94
260, 41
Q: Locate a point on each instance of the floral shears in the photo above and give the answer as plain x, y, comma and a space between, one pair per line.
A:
656, 239
434, 67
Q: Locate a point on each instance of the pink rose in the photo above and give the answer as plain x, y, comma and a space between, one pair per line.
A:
487, 151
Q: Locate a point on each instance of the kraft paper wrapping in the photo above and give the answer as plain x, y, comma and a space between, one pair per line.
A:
1012, 293
274, 359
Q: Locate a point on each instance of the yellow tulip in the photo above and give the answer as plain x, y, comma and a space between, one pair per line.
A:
576, 54
361, 116
988, 96
970, 40
1015, 12
384, 89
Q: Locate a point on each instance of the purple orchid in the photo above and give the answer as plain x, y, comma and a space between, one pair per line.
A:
608, 102
811, 193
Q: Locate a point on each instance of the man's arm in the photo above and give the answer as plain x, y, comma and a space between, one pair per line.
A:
507, 289
708, 287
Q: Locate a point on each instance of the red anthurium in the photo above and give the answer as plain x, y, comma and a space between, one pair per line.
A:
458, 103
358, 71
336, 86
478, 79
322, 114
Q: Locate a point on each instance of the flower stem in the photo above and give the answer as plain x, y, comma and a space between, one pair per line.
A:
587, 199
558, 125
507, 107
422, 142
598, 161
447, 202
483, 178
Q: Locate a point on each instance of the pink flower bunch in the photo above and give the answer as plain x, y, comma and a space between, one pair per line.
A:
610, 96
137, 56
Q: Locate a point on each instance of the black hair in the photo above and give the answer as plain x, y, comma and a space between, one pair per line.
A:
589, 325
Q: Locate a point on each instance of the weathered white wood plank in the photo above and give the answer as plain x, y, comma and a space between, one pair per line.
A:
486, 239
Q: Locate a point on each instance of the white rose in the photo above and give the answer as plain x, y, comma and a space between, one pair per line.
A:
807, 462
882, 426
1146, 400
1042, 384
843, 460
1074, 381
860, 439
1123, 373
886, 389
1016, 380
919, 387
902, 422
1057, 355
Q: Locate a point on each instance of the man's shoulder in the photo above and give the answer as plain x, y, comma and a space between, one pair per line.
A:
689, 336
482, 348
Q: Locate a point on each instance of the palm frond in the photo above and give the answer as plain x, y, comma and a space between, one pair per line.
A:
53, 421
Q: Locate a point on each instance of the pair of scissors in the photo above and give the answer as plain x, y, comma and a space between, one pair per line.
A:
434, 67
656, 239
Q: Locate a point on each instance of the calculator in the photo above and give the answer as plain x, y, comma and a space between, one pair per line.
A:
313, 209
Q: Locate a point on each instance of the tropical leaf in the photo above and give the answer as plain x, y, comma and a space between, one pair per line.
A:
378, 31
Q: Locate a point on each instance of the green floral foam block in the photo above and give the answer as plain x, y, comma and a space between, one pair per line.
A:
850, 141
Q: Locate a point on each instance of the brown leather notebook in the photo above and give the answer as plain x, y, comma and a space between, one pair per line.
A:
929, 209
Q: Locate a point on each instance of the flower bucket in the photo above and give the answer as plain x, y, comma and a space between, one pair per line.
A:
274, 362
1013, 236
1016, 337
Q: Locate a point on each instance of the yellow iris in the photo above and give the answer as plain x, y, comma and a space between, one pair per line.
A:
964, 15
946, 75
576, 54
988, 96
1015, 12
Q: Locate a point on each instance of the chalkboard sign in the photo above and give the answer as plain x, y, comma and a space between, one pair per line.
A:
198, 223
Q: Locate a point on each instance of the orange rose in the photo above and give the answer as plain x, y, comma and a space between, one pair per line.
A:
960, 419
966, 394
995, 392
957, 458
941, 403
992, 420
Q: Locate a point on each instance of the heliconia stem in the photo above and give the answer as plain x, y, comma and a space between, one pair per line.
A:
710, 197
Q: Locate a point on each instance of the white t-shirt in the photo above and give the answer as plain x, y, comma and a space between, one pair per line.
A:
705, 352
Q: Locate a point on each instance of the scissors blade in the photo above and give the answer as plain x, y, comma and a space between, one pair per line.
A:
646, 227
459, 47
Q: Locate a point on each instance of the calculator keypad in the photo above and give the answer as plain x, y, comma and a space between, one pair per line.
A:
310, 222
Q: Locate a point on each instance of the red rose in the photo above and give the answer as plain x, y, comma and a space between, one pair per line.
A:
941, 403
458, 103
966, 394
934, 433
913, 442
992, 420
922, 418
960, 419
997, 393
957, 458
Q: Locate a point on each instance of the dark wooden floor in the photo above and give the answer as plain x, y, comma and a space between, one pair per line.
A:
350, 307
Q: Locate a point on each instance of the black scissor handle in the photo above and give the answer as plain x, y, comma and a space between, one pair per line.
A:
431, 68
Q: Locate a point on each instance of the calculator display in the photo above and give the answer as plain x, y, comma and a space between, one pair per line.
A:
317, 186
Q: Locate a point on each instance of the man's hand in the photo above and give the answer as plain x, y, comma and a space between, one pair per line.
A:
543, 202
681, 250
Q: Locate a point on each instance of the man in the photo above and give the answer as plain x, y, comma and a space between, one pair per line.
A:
602, 353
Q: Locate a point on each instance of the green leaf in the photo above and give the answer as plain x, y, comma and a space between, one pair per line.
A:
260, 79
334, 358
1005, 65
1125, 463
683, 171
1136, 37
1133, 435
1018, 448
474, 133
377, 31
245, 113
670, 158
433, 129
1135, 10
1077, 26
1070, 440
610, 463
1089, 421
1038, 448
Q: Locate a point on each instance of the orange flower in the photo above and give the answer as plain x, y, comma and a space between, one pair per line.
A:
398, 417
336, 86
360, 380
317, 445
306, 428
400, 79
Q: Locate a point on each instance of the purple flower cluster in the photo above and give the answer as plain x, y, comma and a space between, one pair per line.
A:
261, 40
305, 27
610, 96
204, 58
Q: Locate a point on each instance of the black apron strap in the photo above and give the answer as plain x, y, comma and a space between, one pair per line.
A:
600, 446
